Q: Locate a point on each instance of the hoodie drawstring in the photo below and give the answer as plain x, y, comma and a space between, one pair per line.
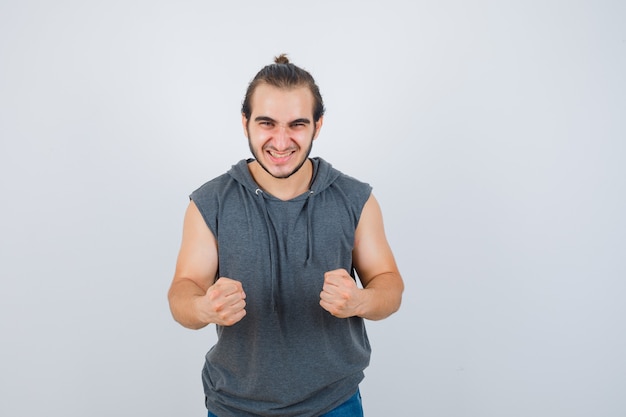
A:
272, 248
309, 228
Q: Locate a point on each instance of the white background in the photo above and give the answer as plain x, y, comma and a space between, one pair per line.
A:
493, 134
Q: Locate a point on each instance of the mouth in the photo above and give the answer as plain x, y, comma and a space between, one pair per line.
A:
280, 156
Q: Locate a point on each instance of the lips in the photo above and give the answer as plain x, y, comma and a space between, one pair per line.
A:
280, 155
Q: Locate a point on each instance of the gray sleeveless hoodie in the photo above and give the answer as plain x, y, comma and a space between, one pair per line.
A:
288, 356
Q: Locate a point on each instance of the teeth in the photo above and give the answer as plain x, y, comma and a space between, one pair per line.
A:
279, 155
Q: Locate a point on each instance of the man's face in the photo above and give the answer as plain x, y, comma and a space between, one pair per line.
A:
281, 129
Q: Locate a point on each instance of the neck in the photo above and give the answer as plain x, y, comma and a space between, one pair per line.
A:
283, 188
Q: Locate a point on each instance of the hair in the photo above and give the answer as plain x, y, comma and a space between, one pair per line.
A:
284, 74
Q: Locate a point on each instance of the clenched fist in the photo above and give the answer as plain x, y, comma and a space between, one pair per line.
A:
223, 304
340, 295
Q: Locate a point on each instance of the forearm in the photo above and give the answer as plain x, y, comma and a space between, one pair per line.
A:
381, 297
182, 296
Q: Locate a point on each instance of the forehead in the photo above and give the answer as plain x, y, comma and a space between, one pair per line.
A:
282, 103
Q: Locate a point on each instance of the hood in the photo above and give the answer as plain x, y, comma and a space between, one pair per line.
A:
323, 175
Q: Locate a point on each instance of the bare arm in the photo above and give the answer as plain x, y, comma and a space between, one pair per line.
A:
195, 299
381, 294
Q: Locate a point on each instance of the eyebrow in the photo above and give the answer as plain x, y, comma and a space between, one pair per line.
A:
269, 119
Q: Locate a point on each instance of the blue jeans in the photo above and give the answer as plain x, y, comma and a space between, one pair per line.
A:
351, 408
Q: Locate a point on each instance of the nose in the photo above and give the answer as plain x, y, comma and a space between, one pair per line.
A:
282, 137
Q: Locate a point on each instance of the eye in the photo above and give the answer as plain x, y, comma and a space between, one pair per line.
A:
266, 123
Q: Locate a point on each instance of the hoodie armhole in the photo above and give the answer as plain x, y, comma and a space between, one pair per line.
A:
201, 204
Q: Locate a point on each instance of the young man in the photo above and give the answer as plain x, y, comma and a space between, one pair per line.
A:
270, 254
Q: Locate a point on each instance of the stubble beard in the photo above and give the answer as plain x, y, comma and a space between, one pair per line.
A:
296, 169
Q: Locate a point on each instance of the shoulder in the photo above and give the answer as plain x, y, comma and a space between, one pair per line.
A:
357, 190
333, 178
345, 190
209, 197
217, 185
348, 182
211, 188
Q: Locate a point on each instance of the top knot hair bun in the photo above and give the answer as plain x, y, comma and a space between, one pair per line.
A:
283, 74
281, 59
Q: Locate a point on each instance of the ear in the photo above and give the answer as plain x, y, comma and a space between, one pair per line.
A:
318, 127
244, 124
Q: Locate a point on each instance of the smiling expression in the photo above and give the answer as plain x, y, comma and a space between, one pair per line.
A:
281, 129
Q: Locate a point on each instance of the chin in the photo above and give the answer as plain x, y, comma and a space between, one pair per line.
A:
282, 172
